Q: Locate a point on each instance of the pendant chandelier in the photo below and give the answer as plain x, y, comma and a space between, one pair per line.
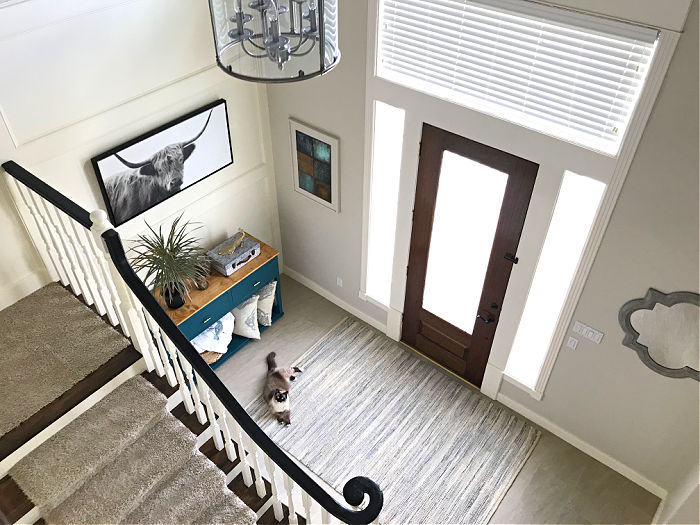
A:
275, 40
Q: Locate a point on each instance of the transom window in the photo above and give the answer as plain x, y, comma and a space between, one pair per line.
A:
563, 73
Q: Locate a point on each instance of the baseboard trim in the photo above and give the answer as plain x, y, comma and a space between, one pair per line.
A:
585, 447
320, 290
10, 461
659, 510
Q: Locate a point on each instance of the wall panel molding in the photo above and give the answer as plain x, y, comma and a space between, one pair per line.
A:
108, 60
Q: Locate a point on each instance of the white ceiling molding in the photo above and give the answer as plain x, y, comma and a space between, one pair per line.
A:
668, 14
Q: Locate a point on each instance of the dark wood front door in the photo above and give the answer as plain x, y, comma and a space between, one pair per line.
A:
471, 202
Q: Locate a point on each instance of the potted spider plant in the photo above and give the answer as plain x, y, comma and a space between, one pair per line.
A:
171, 261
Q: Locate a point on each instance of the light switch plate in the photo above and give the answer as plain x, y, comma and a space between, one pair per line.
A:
572, 343
589, 333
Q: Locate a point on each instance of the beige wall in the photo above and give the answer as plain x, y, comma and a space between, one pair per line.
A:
56, 115
603, 393
600, 394
318, 243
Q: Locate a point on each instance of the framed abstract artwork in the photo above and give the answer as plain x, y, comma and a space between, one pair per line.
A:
141, 173
315, 165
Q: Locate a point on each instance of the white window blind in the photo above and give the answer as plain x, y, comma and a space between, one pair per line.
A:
564, 73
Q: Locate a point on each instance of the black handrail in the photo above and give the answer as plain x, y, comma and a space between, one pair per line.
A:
354, 490
55, 197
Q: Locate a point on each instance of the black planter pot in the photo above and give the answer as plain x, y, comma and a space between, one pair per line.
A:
173, 301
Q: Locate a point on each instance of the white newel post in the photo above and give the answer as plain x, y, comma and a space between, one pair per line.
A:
128, 316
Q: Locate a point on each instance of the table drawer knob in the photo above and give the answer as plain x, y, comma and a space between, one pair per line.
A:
206, 320
256, 283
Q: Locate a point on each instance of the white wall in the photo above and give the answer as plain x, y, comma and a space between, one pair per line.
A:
144, 63
603, 394
318, 243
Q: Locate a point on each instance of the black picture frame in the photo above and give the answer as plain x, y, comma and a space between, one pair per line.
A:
117, 216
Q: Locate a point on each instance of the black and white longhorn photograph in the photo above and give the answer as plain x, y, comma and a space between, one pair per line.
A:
141, 173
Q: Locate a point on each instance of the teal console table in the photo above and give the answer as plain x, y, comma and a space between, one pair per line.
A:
204, 307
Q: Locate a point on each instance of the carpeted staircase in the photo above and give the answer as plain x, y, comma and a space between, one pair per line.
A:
127, 460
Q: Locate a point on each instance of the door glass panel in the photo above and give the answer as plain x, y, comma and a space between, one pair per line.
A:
467, 208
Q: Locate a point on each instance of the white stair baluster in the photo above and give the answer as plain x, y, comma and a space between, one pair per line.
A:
102, 256
325, 516
198, 406
204, 394
131, 324
289, 486
276, 504
306, 501
86, 257
184, 390
238, 436
49, 251
58, 240
103, 278
72, 249
153, 361
228, 437
259, 482
167, 367
49, 239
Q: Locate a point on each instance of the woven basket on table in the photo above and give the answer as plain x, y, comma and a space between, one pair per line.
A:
211, 357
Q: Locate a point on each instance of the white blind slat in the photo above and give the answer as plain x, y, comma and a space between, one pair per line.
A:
522, 28
597, 80
566, 95
461, 32
568, 74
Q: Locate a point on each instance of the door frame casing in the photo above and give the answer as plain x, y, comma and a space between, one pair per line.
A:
522, 175
554, 157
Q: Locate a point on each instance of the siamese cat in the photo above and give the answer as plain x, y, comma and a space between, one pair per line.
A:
276, 391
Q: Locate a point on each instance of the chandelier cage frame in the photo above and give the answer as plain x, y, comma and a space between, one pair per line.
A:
272, 45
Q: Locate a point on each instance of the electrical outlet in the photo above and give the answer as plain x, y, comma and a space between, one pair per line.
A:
589, 333
339, 281
572, 343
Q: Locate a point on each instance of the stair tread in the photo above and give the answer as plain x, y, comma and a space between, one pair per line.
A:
74, 453
116, 490
183, 496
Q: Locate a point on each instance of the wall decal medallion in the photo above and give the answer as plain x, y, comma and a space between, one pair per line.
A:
663, 330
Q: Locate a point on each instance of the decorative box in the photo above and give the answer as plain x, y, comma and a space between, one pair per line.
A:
228, 263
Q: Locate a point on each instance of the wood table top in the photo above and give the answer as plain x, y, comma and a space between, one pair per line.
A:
218, 284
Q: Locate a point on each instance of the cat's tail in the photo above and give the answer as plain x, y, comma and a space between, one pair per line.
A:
271, 363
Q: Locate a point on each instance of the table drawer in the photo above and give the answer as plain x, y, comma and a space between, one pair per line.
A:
256, 280
207, 316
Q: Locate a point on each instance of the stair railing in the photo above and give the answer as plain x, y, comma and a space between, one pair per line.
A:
91, 262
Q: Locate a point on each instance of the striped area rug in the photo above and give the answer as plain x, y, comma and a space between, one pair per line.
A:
365, 405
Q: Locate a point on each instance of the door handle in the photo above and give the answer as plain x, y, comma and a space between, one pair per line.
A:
488, 319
